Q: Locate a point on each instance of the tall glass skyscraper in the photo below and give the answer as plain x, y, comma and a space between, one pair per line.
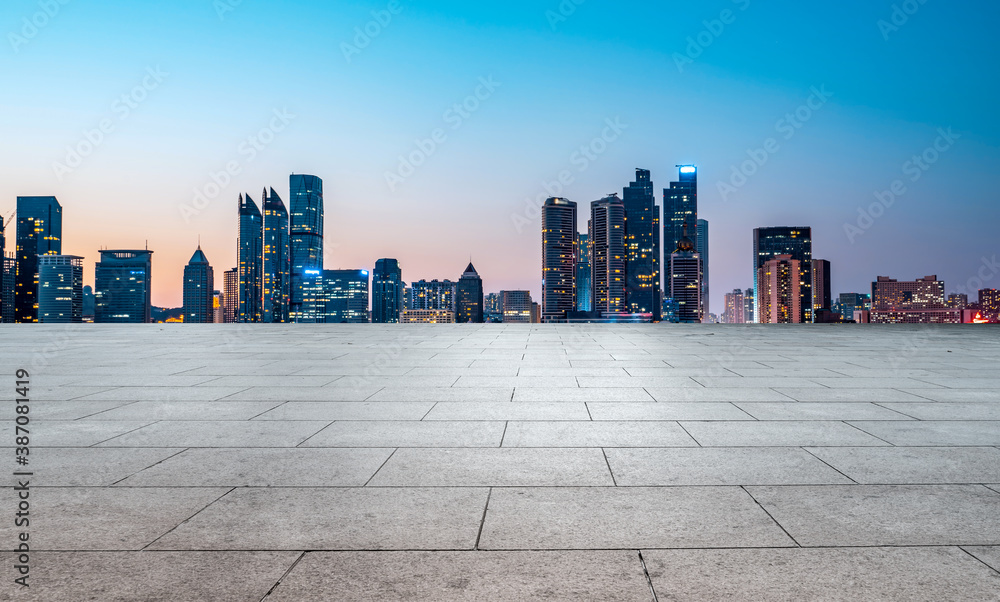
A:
469, 297
559, 248
821, 293
122, 287
685, 281
642, 247
345, 297
584, 276
306, 242
701, 245
60, 289
39, 232
680, 207
769, 243
607, 236
251, 256
199, 290
387, 292
277, 262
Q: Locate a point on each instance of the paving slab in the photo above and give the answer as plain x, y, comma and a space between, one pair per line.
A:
347, 410
596, 434
217, 433
597, 394
152, 576
186, 410
884, 515
508, 411
61, 410
717, 394
948, 411
89, 466
790, 433
987, 555
69, 433
667, 411
719, 466
821, 411
847, 395
914, 465
936, 433
845, 575
139, 393
434, 394
335, 519
959, 395
611, 576
430, 433
542, 518
298, 467
282, 394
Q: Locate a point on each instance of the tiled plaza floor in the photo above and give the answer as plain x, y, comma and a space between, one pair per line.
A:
613, 462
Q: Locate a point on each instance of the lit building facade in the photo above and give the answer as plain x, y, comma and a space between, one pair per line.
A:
748, 306
822, 296
958, 301
780, 288
680, 208
642, 247
39, 232
848, 303
735, 312
469, 297
231, 296
701, 245
199, 290
915, 302
387, 292
685, 271
305, 244
251, 261
60, 289
436, 294
493, 308
277, 284
344, 295
769, 243
584, 274
607, 236
517, 307
427, 316
123, 293
989, 304
559, 251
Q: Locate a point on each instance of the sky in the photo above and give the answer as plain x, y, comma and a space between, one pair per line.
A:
147, 120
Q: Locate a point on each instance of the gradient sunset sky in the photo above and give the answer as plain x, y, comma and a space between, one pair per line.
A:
226, 66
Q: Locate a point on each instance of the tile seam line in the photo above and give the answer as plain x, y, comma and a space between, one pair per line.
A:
780, 526
188, 519
381, 466
869, 434
294, 564
482, 522
153, 465
977, 559
805, 449
649, 580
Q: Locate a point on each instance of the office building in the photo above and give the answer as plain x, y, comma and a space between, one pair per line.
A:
436, 294
517, 307
680, 208
218, 307
685, 271
670, 307
780, 290
735, 312
251, 261
559, 250
989, 304
642, 247
88, 304
916, 302
701, 245
39, 232
493, 308
344, 296
277, 284
387, 292
584, 274
60, 289
848, 303
231, 296
822, 296
957, 301
427, 316
469, 297
123, 293
8, 274
749, 306
199, 290
769, 243
607, 236
306, 242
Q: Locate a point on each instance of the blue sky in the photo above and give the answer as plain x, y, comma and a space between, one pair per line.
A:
556, 83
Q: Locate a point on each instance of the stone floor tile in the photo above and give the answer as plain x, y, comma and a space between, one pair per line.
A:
596, 434
409, 434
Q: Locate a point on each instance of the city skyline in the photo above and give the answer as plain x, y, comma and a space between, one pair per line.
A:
180, 126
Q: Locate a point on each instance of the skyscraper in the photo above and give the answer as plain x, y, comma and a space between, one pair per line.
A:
642, 247
60, 289
516, 307
780, 290
680, 207
685, 280
6, 280
701, 245
749, 305
559, 248
387, 292
735, 312
822, 297
199, 289
989, 304
607, 235
122, 287
768, 243
251, 259
469, 297
231, 296
584, 275
345, 296
306, 244
436, 294
39, 232
277, 283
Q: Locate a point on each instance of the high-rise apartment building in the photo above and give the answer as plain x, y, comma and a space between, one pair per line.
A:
685, 271
559, 251
958, 300
780, 288
387, 292
607, 237
39, 232
306, 242
6, 279
231, 296
493, 308
435, 294
123, 293
748, 307
60, 289
516, 307
735, 312
642, 247
584, 274
251, 261
277, 284
199, 290
916, 302
822, 295
989, 304
469, 297
769, 243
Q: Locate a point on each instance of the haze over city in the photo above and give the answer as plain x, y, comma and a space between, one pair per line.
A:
828, 117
